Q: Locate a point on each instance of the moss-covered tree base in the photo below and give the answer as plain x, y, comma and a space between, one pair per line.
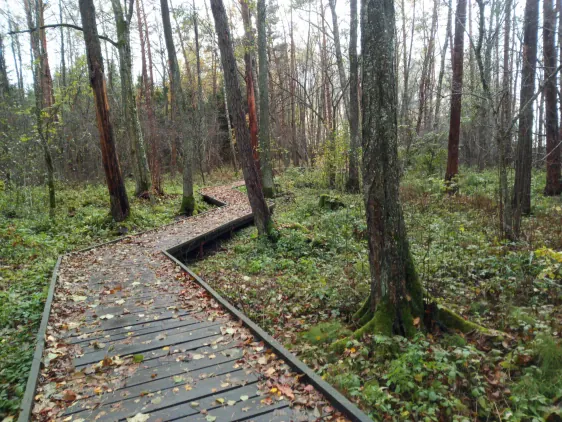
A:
268, 192
187, 205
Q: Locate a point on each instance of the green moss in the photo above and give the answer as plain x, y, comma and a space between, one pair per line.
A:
456, 322
325, 332
365, 308
268, 192
187, 205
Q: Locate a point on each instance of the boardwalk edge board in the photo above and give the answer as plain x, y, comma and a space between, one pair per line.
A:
337, 399
31, 386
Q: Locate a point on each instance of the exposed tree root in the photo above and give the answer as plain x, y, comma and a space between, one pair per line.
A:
382, 322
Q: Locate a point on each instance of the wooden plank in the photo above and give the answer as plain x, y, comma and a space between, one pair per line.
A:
127, 407
133, 349
208, 403
242, 410
137, 330
155, 336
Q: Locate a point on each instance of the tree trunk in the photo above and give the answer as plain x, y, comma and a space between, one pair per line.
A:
199, 122
426, 75
178, 111
43, 87
134, 132
265, 140
117, 193
293, 87
154, 162
553, 186
259, 206
355, 139
523, 160
339, 57
442, 68
396, 295
456, 95
248, 46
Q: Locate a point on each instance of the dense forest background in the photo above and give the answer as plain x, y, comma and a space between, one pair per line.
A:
323, 106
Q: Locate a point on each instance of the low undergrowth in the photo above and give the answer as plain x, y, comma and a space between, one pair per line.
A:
30, 242
304, 288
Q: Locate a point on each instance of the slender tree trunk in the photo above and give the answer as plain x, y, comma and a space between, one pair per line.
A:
134, 132
456, 95
259, 206
43, 87
425, 82
339, 57
62, 49
355, 139
330, 154
178, 110
116, 186
229, 127
293, 87
396, 296
199, 122
154, 162
248, 46
264, 134
442, 68
553, 168
523, 160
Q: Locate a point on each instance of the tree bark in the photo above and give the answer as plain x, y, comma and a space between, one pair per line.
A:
264, 133
43, 87
355, 138
456, 95
339, 57
553, 185
259, 206
179, 109
119, 201
154, 162
250, 95
442, 68
134, 132
396, 296
523, 161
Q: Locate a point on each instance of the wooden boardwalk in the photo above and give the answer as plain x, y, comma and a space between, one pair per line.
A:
128, 334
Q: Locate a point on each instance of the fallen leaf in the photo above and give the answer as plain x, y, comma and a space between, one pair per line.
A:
139, 417
244, 398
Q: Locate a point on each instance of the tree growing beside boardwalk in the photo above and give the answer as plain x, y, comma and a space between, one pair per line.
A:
395, 295
262, 216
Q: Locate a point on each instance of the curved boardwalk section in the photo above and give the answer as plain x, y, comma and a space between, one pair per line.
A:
130, 336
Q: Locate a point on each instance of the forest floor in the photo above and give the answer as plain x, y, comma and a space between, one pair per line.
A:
304, 288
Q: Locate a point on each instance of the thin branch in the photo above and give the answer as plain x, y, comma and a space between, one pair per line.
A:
64, 25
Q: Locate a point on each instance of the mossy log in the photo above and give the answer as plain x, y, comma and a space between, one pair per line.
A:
330, 202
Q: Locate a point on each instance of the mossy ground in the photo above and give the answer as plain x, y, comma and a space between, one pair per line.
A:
305, 288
